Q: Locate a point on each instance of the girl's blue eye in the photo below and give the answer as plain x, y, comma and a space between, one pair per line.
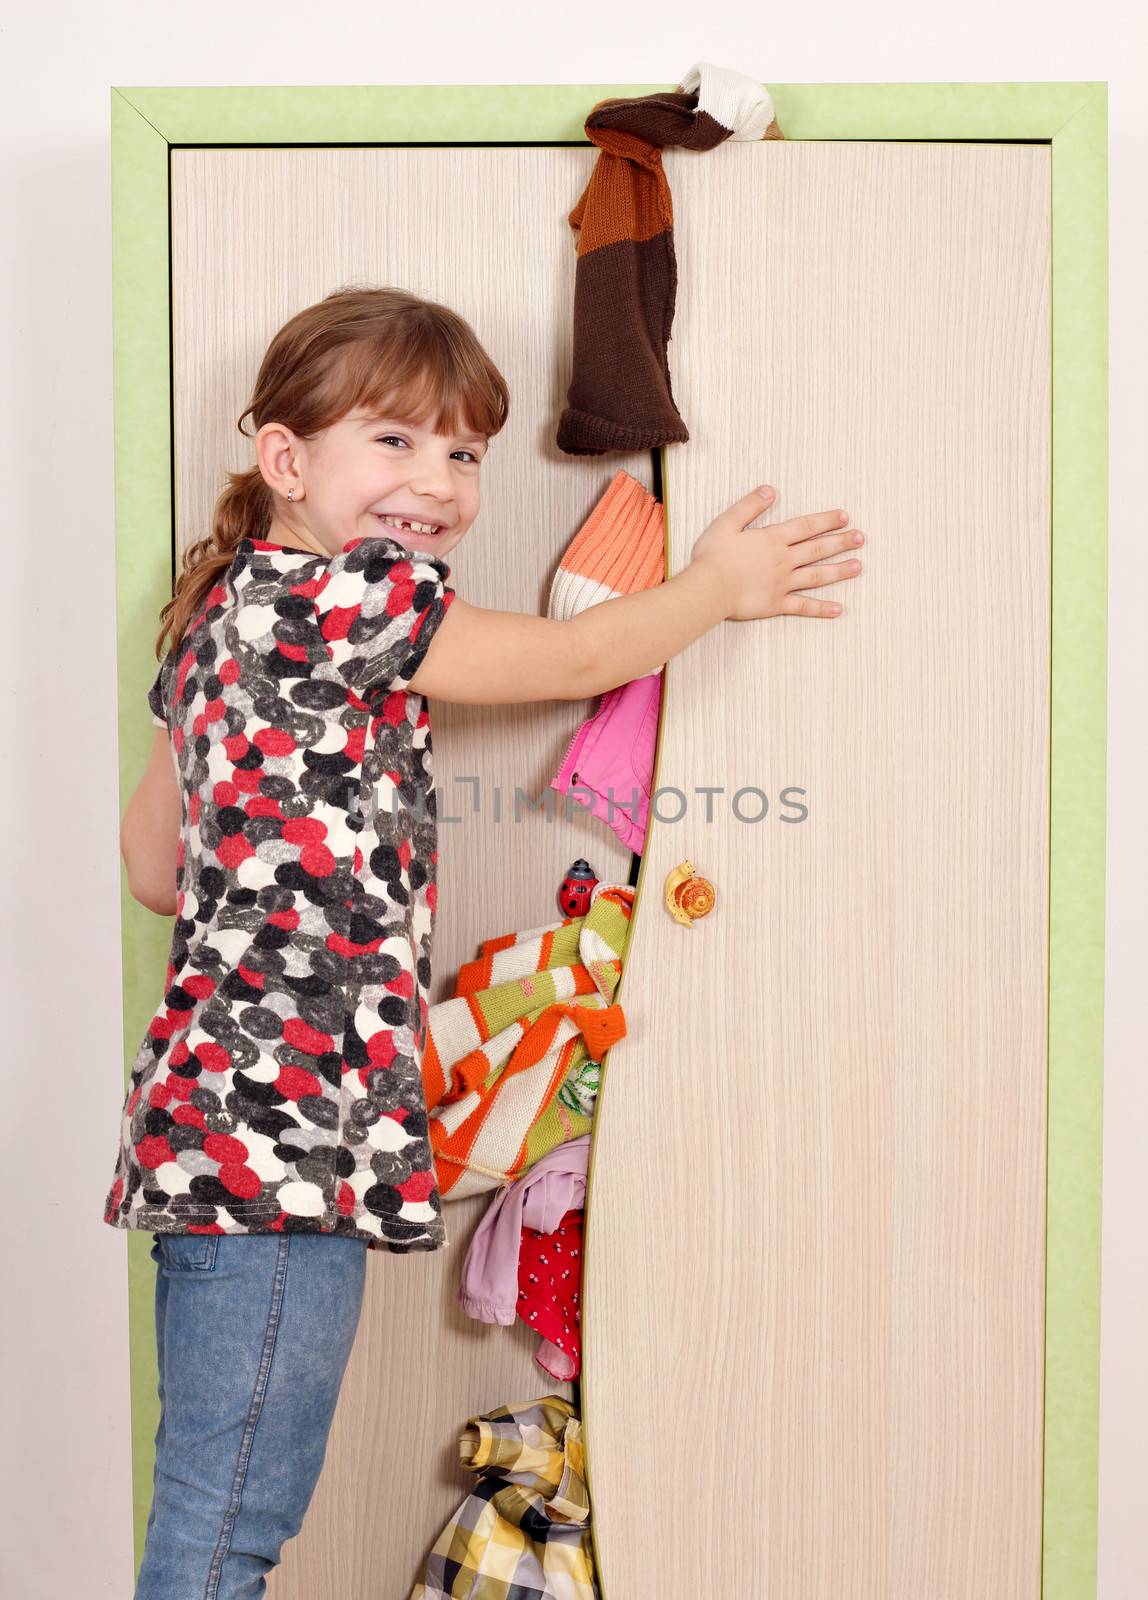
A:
383, 439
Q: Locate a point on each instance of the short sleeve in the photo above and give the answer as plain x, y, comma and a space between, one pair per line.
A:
380, 608
156, 695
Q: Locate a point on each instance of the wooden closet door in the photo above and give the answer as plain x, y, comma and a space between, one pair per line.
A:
813, 1299
257, 235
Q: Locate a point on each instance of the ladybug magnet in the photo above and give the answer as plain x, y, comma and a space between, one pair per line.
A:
577, 887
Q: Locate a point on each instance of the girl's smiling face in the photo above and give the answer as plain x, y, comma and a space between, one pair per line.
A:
346, 477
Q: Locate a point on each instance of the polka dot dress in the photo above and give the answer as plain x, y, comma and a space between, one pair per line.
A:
279, 1085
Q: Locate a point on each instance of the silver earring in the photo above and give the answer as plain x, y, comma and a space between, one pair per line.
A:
290, 493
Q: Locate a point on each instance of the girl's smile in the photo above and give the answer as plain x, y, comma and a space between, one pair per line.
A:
337, 478
387, 521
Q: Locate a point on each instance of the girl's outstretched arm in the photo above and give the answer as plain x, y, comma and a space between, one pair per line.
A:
481, 657
149, 832
735, 572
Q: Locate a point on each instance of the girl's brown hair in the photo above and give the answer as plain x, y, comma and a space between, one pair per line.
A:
380, 348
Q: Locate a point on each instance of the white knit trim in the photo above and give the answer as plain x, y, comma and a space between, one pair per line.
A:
739, 103
572, 592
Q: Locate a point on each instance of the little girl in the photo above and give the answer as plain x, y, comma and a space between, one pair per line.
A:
275, 1128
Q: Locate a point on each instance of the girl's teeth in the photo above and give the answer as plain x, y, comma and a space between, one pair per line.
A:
406, 527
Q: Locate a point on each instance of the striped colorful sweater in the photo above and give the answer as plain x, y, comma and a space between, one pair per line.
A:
511, 1064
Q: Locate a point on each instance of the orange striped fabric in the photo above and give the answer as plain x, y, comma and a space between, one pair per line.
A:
499, 1052
619, 549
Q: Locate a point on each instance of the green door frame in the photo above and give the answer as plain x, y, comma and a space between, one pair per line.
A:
148, 123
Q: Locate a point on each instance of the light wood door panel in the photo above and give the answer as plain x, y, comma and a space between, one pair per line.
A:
258, 234
813, 1322
813, 1300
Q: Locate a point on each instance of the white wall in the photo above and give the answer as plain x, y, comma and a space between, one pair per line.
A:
65, 1487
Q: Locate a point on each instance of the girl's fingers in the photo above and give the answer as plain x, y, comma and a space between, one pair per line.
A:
817, 522
753, 504
820, 549
803, 605
830, 572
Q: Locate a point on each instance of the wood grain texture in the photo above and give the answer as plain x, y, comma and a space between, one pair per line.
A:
258, 234
813, 1309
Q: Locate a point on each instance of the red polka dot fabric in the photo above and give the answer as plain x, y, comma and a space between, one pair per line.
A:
550, 1288
279, 1085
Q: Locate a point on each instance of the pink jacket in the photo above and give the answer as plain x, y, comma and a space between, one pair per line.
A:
614, 750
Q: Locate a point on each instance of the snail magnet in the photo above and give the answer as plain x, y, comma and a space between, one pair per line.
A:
688, 896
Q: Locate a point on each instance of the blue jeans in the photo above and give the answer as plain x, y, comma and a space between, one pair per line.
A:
253, 1333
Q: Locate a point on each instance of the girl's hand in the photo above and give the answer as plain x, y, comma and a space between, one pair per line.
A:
765, 567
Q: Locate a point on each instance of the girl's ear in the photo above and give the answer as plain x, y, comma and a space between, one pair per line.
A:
277, 452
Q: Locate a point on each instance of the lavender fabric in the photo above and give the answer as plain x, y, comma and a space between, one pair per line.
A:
539, 1199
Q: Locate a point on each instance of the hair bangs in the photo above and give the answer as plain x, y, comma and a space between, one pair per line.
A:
423, 380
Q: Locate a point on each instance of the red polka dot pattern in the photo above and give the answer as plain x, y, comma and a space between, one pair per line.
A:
279, 1085
550, 1285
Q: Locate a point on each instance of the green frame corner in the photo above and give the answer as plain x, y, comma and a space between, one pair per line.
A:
146, 123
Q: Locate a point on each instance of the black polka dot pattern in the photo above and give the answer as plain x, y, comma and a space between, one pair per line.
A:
279, 1085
